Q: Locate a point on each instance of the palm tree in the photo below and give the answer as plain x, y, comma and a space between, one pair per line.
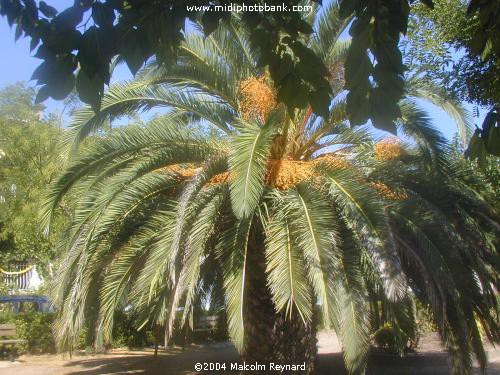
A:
293, 216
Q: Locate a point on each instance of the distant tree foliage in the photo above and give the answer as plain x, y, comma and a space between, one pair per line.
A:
28, 163
437, 36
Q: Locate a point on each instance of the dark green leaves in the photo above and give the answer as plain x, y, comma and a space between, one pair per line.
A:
358, 68
347, 7
135, 31
47, 10
57, 77
487, 38
210, 22
300, 75
90, 89
375, 88
486, 140
320, 101
429, 3
103, 14
68, 19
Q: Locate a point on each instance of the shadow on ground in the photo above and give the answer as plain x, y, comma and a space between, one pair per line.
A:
329, 364
386, 364
430, 359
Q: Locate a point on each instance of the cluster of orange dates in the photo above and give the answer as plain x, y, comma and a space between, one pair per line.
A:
389, 149
257, 98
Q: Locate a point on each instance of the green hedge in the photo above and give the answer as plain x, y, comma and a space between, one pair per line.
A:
35, 328
126, 335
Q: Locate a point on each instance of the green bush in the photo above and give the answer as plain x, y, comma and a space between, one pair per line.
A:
425, 321
393, 339
35, 329
125, 333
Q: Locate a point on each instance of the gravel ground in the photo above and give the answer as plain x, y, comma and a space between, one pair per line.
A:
430, 359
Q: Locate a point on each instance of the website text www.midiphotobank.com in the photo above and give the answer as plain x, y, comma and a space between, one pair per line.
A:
239, 8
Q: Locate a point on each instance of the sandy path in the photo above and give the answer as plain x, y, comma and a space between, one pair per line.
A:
429, 359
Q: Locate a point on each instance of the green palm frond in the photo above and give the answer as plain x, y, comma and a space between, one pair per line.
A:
286, 268
250, 152
428, 91
313, 229
351, 321
197, 238
416, 124
327, 30
188, 199
126, 98
129, 142
232, 250
126, 267
366, 216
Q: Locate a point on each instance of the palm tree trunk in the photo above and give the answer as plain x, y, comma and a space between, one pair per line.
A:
272, 337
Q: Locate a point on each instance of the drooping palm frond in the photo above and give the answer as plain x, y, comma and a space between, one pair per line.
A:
428, 91
131, 261
286, 266
351, 302
232, 251
416, 124
314, 231
250, 152
165, 138
365, 215
126, 98
196, 244
444, 266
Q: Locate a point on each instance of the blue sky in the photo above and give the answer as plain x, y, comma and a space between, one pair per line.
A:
18, 64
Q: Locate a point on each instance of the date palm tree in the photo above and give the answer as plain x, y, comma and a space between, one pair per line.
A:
295, 217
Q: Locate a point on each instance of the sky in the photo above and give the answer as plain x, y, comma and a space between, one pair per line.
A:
17, 64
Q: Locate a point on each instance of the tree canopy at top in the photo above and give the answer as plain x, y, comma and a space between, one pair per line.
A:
80, 44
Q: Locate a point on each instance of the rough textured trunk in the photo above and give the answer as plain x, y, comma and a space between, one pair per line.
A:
271, 336
296, 342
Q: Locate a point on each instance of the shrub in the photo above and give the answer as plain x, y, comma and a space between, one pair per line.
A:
35, 328
393, 339
125, 333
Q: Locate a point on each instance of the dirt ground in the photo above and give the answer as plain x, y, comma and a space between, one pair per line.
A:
430, 359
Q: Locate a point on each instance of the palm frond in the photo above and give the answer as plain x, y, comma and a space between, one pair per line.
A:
366, 215
416, 124
232, 251
129, 142
428, 91
287, 277
329, 26
250, 151
350, 303
313, 229
130, 97
197, 238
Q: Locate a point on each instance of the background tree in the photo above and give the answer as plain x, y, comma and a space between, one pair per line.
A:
442, 46
29, 162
